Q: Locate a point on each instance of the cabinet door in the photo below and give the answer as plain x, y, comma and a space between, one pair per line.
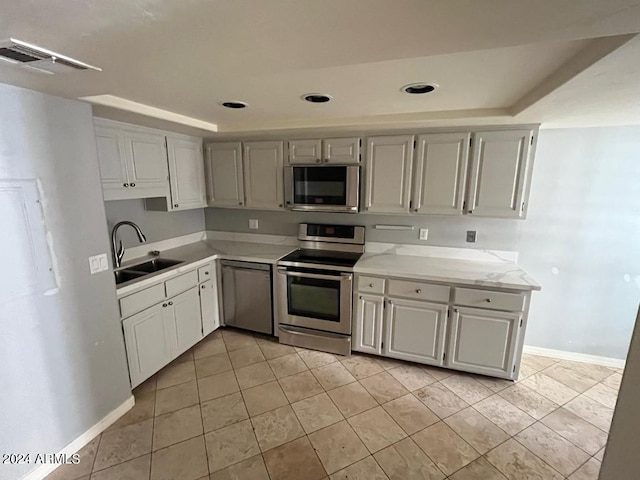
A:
113, 170
305, 151
146, 156
483, 341
388, 165
367, 326
225, 182
186, 173
341, 150
440, 173
415, 331
187, 321
499, 169
148, 343
209, 307
263, 172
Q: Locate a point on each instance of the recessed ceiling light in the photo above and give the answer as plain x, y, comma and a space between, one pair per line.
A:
316, 97
234, 105
419, 88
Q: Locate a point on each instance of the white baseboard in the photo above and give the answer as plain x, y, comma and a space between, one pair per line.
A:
42, 471
574, 356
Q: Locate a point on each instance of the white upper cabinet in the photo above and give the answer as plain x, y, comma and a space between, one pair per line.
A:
186, 173
483, 341
440, 173
388, 174
113, 168
305, 151
263, 174
341, 150
329, 150
146, 156
500, 173
225, 181
133, 164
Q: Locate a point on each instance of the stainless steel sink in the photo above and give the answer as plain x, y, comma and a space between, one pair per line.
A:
144, 269
126, 275
155, 265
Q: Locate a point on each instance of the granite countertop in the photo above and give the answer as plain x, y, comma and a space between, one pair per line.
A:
200, 253
463, 272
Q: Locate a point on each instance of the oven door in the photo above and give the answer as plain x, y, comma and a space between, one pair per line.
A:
329, 188
321, 301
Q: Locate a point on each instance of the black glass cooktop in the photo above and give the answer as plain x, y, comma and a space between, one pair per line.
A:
323, 257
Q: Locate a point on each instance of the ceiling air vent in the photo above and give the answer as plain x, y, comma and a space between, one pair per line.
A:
25, 54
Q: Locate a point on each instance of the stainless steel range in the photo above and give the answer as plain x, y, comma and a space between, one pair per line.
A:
314, 286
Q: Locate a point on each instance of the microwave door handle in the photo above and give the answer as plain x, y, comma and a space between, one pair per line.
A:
318, 276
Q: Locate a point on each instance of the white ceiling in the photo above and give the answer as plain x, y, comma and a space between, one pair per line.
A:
502, 61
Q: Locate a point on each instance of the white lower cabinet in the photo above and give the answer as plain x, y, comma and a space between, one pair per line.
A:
367, 328
209, 307
187, 320
147, 338
421, 322
155, 335
483, 341
415, 331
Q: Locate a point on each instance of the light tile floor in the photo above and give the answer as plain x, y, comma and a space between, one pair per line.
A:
241, 406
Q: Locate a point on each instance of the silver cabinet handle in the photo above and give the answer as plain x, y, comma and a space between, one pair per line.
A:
371, 285
133, 184
170, 303
206, 273
488, 300
318, 160
203, 286
418, 290
164, 304
175, 205
125, 185
456, 310
360, 297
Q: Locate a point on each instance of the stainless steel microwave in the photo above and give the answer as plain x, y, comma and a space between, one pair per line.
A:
322, 188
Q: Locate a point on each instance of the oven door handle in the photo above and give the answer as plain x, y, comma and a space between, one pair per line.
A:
282, 271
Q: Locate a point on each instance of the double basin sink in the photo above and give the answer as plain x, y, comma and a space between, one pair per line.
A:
144, 269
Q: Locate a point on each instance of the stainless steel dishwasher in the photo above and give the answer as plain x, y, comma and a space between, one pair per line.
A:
246, 294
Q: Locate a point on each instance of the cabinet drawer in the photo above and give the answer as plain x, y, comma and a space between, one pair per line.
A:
371, 284
181, 283
140, 300
419, 291
205, 273
513, 302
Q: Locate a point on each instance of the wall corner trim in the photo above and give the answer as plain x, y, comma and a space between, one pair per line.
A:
41, 472
574, 356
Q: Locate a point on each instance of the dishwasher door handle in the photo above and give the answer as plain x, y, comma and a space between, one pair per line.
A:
318, 276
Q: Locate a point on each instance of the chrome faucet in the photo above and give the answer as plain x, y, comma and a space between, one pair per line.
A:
118, 251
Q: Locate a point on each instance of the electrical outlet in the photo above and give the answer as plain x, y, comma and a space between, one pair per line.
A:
471, 236
98, 263
424, 233
253, 223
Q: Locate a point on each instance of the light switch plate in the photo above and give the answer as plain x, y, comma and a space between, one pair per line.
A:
98, 263
253, 223
424, 233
